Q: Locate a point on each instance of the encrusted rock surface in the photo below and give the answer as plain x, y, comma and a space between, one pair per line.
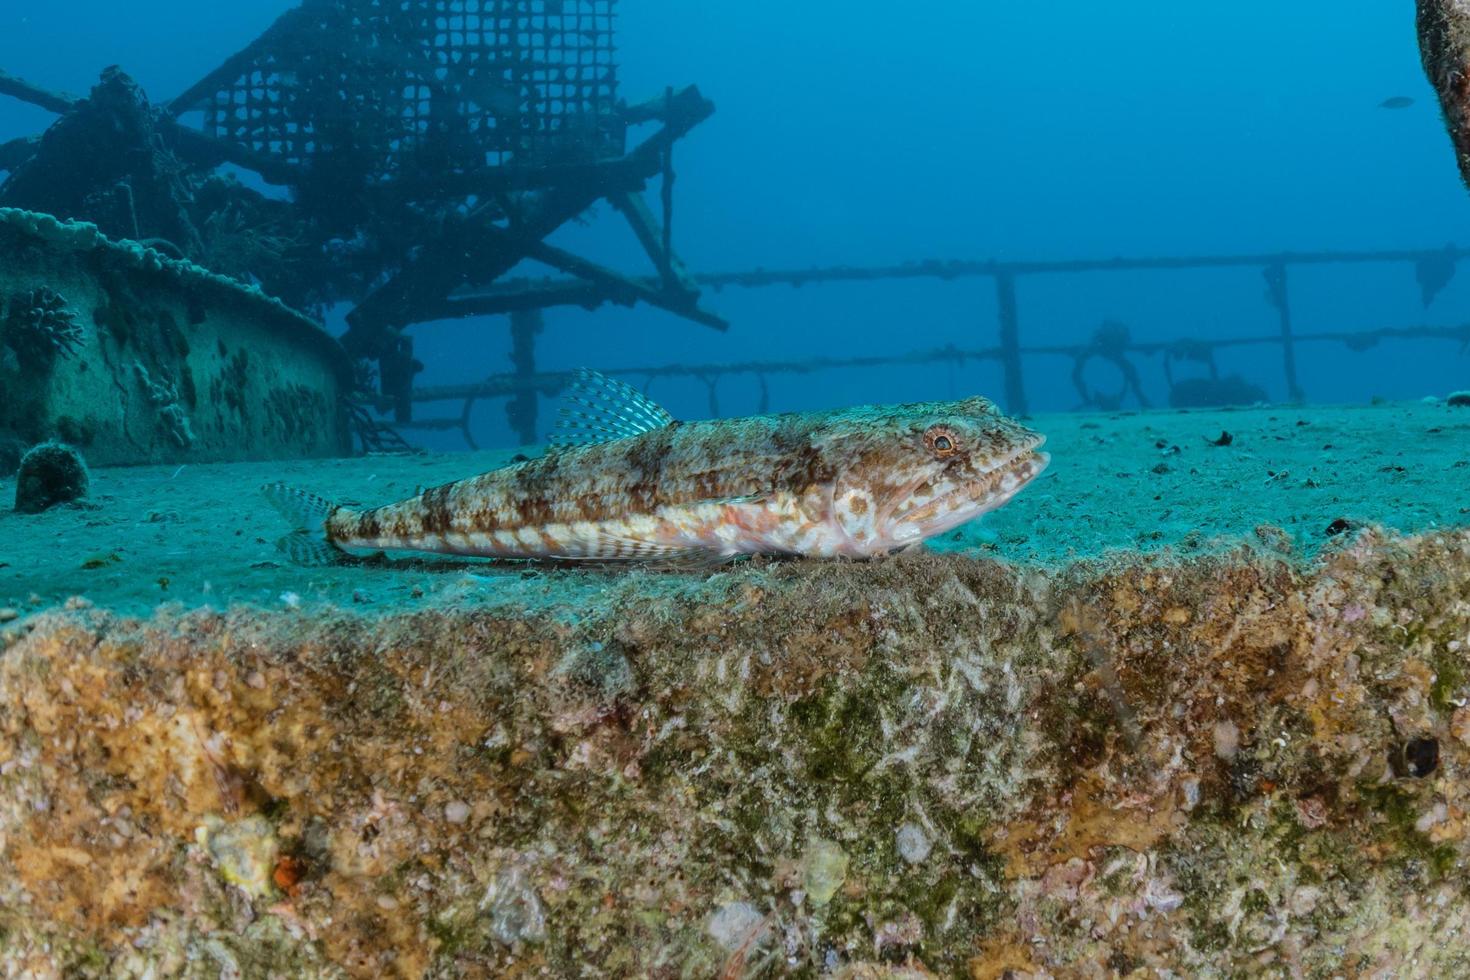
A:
1215, 767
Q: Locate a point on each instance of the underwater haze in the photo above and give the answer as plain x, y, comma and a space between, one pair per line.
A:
1059, 566
868, 134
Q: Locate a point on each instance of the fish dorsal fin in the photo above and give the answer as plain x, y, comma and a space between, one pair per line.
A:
597, 408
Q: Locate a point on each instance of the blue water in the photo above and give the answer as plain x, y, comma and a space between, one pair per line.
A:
869, 133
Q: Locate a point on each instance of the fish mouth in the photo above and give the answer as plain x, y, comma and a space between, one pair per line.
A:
992, 489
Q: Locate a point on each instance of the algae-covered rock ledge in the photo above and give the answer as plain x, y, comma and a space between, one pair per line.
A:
930, 763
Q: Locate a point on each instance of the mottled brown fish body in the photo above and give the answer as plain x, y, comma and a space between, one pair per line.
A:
655, 487
856, 482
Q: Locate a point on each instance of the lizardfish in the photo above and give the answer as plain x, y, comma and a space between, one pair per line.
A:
625, 482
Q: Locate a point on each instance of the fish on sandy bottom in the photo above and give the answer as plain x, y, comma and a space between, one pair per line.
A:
625, 482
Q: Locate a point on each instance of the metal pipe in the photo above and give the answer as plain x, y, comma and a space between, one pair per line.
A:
521, 409
549, 383
1010, 343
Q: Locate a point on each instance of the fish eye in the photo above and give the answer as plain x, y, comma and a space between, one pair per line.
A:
941, 441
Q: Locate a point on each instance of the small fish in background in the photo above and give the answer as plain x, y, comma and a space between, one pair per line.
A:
625, 482
1396, 102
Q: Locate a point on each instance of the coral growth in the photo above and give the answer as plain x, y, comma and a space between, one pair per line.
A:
50, 474
163, 395
1228, 766
40, 327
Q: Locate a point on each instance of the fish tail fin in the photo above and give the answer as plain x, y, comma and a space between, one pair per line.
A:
310, 543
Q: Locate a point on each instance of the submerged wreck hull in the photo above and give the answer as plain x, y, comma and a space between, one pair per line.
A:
1218, 766
137, 358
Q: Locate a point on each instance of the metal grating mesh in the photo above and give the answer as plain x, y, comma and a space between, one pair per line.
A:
431, 86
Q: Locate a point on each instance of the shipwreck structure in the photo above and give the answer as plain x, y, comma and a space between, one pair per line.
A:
135, 357
426, 150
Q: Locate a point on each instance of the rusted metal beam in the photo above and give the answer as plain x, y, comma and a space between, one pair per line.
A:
595, 286
1277, 293
531, 385
502, 298
567, 292
19, 88
649, 110
549, 383
480, 251
608, 176
521, 410
624, 289
674, 277
666, 196
507, 297
980, 268
1010, 343
201, 149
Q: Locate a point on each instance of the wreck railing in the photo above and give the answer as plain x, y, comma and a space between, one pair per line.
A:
1434, 268
524, 388
523, 299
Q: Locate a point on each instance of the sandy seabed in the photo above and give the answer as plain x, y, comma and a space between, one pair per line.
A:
1143, 482
1180, 707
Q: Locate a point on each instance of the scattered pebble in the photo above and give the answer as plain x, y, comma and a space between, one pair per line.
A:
1460, 725
913, 843
7, 615
903, 931
1227, 740
1311, 812
515, 910
456, 811
244, 853
825, 869
1189, 789
1160, 895
732, 924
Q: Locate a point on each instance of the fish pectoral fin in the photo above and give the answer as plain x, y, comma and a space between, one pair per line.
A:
620, 550
309, 550
309, 543
597, 409
693, 561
